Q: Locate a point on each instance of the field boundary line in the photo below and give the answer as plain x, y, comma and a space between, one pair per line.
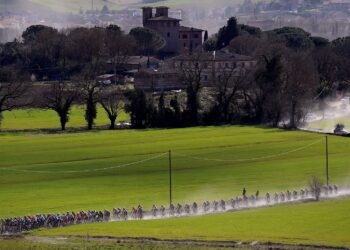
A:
250, 159
86, 170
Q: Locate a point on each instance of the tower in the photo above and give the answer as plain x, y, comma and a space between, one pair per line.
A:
146, 14
162, 11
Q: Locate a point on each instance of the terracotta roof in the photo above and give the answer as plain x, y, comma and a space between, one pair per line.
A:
184, 28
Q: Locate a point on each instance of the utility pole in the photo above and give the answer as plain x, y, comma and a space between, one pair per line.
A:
327, 173
170, 176
92, 5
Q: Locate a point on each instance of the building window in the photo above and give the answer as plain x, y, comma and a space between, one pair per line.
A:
226, 65
168, 34
196, 36
184, 36
196, 44
205, 78
205, 65
185, 45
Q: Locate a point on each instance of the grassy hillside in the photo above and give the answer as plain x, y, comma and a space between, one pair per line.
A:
325, 223
29, 119
238, 152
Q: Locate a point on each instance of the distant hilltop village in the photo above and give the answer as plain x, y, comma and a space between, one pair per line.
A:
178, 38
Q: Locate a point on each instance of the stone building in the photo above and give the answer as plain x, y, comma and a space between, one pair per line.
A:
163, 78
178, 38
212, 64
189, 39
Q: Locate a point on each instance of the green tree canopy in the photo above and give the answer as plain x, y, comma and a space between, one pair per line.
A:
251, 30
32, 32
227, 33
148, 41
292, 37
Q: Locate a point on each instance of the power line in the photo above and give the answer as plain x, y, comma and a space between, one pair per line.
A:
250, 159
86, 170
159, 156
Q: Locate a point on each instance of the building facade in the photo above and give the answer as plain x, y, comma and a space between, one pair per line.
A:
213, 66
189, 39
178, 38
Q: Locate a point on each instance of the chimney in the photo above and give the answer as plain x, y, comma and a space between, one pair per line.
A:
162, 11
146, 14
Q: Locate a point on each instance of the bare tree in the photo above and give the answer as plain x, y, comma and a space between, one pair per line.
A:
300, 80
315, 185
228, 85
191, 68
111, 101
60, 98
329, 72
12, 91
327, 64
261, 90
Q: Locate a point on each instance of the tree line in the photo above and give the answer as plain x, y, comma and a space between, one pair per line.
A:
293, 72
70, 61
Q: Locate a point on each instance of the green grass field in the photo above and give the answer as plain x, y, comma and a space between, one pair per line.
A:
329, 124
55, 173
31, 119
24, 193
324, 223
35, 243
